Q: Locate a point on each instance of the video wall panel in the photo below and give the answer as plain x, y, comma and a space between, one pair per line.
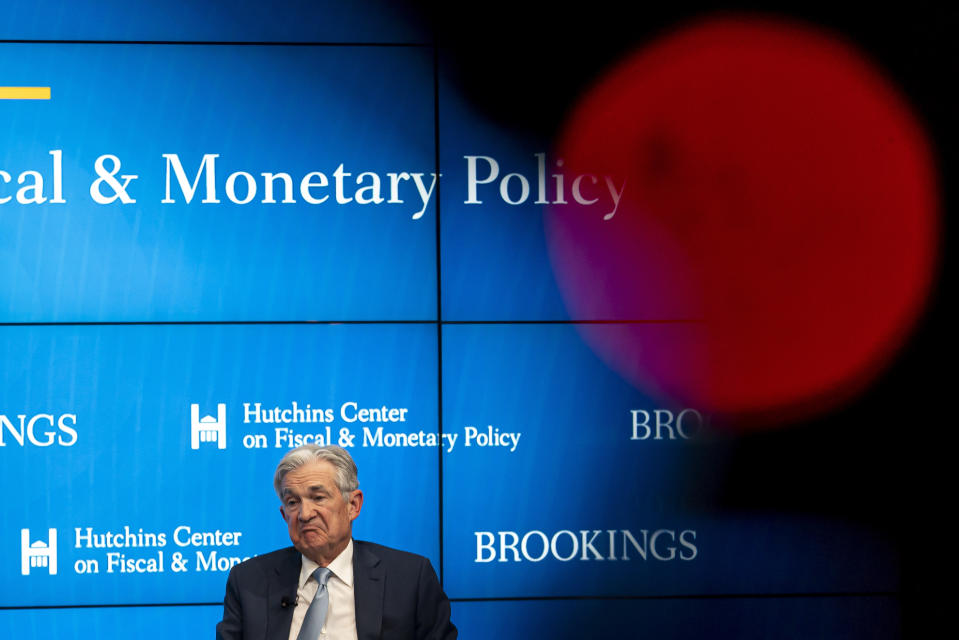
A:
144, 454
119, 622
221, 183
371, 21
688, 619
495, 256
585, 487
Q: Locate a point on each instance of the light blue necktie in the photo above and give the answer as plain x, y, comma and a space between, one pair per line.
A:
316, 614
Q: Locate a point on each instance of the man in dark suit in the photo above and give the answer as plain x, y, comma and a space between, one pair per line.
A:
328, 585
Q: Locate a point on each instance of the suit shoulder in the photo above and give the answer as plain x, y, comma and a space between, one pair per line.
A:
266, 562
389, 555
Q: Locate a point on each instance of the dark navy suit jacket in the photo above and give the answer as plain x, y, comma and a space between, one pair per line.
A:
397, 597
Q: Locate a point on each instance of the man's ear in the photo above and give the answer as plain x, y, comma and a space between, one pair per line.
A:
283, 513
356, 503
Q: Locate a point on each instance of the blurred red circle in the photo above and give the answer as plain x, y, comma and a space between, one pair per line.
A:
777, 231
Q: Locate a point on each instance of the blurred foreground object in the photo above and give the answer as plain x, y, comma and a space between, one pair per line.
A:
776, 236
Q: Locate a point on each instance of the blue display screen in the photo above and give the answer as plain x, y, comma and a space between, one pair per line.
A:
228, 229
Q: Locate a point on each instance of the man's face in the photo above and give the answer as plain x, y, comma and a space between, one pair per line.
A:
319, 519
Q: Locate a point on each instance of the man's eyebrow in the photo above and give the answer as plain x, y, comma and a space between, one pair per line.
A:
316, 488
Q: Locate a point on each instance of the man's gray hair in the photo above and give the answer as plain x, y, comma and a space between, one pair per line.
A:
346, 479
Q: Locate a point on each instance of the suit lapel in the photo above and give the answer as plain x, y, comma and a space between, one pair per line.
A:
369, 582
283, 584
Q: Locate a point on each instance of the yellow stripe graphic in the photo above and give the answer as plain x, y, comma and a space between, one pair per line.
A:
24, 93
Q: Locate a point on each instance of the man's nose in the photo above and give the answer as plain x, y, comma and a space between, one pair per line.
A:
307, 510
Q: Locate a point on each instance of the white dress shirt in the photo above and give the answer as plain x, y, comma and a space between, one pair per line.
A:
341, 616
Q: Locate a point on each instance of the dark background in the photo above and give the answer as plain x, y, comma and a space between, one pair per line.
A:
884, 458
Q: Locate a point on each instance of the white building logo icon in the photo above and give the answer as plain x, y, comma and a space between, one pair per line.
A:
208, 428
38, 554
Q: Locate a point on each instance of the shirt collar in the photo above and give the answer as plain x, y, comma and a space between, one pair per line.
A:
341, 567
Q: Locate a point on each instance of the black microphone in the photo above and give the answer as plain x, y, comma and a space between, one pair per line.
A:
286, 601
